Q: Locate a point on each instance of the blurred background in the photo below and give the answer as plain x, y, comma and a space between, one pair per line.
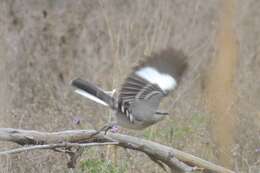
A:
214, 114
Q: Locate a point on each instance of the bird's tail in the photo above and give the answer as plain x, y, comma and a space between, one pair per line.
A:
93, 92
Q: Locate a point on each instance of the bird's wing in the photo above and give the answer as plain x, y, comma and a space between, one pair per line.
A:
152, 79
136, 89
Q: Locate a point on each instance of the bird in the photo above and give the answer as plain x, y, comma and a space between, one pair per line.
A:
137, 104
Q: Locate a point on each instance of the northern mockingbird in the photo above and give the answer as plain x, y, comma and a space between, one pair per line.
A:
137, 105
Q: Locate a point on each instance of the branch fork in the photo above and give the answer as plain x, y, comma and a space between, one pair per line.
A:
72, 143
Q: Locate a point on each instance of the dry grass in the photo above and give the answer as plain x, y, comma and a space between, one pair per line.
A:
45, 44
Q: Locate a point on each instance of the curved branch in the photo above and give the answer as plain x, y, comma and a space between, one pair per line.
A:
173, 158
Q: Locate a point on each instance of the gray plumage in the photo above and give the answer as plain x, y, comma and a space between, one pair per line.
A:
141, 93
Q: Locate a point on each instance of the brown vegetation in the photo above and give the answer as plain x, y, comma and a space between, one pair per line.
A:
46, 44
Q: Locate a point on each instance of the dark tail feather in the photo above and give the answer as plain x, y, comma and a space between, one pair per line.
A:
93, 92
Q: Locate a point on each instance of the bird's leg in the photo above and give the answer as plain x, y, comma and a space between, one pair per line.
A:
113, 125
110, 126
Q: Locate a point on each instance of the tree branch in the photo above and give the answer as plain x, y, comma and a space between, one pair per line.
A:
173, 158
54, 146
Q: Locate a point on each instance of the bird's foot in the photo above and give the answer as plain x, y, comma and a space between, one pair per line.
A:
113, 127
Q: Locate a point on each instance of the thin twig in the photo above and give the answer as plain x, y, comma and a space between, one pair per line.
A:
54, 146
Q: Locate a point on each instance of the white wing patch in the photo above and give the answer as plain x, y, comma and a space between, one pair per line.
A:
91, 97
164, 81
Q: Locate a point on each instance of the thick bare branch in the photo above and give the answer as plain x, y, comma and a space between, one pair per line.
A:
167, 155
